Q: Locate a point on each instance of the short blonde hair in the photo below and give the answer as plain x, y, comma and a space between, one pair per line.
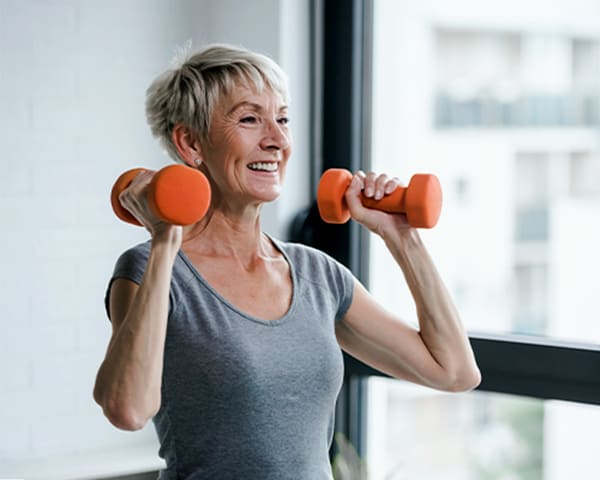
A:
188, 92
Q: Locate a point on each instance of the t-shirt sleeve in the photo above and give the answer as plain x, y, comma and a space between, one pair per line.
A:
131, 266
343, 279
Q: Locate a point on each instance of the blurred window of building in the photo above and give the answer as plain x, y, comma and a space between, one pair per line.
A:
516, 146
502, 103
416, 433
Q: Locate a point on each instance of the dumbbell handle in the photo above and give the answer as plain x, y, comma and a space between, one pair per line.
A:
392, 203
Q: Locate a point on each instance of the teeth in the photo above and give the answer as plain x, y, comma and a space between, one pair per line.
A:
263, 166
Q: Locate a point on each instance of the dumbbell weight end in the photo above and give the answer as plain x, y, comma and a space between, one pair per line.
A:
121, 184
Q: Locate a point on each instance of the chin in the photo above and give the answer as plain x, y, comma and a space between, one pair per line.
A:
268, 196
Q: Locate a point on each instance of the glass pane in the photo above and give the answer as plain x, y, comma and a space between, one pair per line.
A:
502, 102
418, 433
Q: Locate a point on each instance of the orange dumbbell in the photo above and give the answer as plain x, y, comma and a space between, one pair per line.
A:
421, 201
177, 194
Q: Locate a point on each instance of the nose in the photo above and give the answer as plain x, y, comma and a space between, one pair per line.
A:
276, 136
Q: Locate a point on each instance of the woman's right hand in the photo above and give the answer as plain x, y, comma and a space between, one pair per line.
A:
135, 199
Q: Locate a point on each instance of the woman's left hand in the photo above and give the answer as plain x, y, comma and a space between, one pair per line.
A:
374, 186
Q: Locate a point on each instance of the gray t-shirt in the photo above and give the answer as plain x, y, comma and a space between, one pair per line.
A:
245, 398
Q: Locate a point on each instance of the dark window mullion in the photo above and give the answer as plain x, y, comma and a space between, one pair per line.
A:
346, 117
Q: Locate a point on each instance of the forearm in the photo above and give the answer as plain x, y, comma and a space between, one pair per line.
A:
440, 327
129, 381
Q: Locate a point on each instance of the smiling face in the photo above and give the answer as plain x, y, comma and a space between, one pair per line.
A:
248, 147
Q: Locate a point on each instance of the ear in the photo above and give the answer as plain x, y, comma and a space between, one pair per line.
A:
187, 145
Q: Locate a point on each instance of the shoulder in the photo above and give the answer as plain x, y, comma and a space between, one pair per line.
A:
141, 251
133, 260
312, 263
130, 265
322, 273
300, 253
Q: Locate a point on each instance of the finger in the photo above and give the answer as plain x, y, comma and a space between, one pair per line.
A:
369, 186
353, 192
141, 180
357, 183
138, 185
380, 183
392, 184
133, 197
129, 201
360, 178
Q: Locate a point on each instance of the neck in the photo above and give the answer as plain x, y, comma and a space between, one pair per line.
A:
225, 234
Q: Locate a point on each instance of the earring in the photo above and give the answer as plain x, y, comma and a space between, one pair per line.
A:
197, 162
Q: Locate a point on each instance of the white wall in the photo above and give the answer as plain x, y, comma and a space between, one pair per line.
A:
72, 81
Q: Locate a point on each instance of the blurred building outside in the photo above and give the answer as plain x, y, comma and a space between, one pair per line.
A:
505, 109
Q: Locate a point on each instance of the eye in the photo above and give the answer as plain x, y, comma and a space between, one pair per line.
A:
250, 119
283, 120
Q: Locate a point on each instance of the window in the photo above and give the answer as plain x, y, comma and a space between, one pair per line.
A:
500, 100
506, 115
497, 109
415, 432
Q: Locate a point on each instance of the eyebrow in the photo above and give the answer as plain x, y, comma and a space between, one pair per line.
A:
254, 106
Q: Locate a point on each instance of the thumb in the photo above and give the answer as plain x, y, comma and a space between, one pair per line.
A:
352, 197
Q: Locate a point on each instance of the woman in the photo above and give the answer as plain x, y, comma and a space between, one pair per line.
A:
231, 340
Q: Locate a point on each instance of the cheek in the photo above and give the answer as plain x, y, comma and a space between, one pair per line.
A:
234, 141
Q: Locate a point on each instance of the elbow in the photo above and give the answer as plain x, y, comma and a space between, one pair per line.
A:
464, 381
125, 419
124, 415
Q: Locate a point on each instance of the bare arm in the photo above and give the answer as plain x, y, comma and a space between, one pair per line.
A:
128, 383
438, 354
